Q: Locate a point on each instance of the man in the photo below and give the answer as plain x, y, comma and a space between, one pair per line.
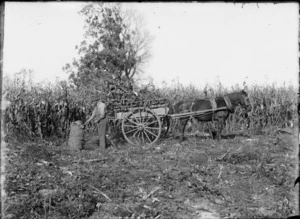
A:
99, 116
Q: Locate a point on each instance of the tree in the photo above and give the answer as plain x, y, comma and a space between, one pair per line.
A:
114, 47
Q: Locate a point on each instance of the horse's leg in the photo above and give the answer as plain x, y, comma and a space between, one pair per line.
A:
167, 121
213, 133
221, 118
248, 121
219, 128
212, 129
182, 123
211, 126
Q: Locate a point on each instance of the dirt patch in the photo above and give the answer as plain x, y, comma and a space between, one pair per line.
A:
241, 177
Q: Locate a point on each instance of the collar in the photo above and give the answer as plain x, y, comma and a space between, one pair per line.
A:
228, 102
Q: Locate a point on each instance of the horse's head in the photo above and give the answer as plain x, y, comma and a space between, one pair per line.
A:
245, 101
242, 99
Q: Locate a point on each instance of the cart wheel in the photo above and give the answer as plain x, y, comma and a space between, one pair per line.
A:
141, 126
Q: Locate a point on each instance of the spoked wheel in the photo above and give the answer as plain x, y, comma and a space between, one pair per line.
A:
141, 127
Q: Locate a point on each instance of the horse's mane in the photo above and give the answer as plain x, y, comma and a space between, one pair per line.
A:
234, 94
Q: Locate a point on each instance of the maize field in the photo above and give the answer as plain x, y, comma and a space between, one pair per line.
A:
47, 111
43, 112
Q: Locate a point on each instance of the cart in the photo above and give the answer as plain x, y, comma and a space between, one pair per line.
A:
143, 122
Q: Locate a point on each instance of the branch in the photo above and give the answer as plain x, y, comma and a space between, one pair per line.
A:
222, 157
100, 192
88, 161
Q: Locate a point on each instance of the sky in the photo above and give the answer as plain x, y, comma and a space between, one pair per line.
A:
194, 43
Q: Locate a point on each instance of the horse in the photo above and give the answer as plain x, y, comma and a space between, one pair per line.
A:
217, 109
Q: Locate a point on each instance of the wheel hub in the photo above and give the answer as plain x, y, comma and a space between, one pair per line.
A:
140, 127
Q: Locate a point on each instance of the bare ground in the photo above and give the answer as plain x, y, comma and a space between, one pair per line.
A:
237, 177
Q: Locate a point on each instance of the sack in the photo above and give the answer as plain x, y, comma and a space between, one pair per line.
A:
76, 137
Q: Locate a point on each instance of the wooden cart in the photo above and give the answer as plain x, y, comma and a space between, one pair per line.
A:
141, 121
145, 121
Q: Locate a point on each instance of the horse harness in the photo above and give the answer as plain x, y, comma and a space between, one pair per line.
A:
214, 104
228, 103
191, 108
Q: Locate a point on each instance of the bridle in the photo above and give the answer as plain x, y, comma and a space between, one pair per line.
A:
246, 100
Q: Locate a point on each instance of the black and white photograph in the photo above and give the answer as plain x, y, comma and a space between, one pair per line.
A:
149, 110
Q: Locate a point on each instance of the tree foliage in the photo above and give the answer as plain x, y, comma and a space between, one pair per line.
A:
114, 46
